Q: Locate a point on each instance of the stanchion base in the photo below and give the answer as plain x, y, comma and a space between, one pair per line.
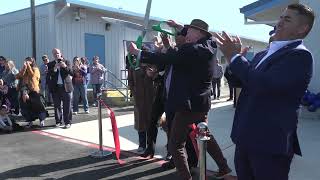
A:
100, 154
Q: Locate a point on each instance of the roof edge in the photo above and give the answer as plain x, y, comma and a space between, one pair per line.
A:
261, 5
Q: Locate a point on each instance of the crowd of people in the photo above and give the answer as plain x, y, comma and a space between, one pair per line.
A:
265, 123
29, 90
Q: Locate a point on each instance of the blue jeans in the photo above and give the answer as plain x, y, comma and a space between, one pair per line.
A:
96, 91
80, 90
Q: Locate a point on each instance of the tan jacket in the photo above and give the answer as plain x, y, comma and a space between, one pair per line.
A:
30, 77
141, 87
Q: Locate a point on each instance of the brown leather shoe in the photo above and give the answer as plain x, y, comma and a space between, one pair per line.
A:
168, 165
222, 174
148, 153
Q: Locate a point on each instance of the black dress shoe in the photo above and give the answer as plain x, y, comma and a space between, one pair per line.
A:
168, 157
168, 165
148, 153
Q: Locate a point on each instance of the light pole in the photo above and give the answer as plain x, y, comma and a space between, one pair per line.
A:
33, 29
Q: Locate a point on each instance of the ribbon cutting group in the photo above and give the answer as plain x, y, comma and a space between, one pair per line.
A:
181, 68
171, 84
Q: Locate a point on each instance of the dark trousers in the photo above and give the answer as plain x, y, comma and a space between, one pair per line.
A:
190, 149
31, 116
216, 84
14, 99
178, 138
60, 95
261, 166
33, 108
96, 91
142, 139
230, 91
156, 113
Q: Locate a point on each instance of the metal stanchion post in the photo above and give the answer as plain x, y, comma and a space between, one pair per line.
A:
100, 153
203, 138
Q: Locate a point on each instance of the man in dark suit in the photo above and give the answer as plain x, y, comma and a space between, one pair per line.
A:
265, 122
158, 108
190, 90
60, 84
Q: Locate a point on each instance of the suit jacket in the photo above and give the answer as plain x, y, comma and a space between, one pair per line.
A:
53, 75
191, 77
266, 116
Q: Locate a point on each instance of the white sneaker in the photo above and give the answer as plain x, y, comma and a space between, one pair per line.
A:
58, 124
67, 126
42, 123
87, 112
75, 113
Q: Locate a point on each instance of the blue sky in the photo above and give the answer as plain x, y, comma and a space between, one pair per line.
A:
220, 15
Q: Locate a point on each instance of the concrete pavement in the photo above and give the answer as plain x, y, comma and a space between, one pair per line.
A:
55, 153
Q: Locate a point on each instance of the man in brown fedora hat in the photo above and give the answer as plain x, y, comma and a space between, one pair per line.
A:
189, 90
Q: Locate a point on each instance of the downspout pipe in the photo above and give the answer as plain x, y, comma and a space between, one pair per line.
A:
63, 10
56, 23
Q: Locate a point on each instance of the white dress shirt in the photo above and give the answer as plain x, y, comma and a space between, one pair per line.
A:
274, 47
59, 75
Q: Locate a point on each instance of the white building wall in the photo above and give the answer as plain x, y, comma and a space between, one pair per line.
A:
312, 43
71, 38
15, 34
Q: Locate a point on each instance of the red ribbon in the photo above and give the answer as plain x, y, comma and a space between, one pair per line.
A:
193, 135
114, 131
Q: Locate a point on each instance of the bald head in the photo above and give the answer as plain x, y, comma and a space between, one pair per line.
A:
56, 53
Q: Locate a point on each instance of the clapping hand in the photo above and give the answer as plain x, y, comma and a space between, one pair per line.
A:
230, 46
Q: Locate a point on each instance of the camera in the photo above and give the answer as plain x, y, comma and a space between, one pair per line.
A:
59, 60
77, 18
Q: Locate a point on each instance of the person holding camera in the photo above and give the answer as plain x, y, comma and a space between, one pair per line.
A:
44, 89
30, 102
80, 85
97, 72
60, 83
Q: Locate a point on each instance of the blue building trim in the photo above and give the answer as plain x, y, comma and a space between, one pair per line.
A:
254, 5
261, 5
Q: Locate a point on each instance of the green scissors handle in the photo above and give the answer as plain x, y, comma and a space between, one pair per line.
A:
158, 28
135, 65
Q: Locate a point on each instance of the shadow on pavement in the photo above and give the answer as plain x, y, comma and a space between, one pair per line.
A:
88, 168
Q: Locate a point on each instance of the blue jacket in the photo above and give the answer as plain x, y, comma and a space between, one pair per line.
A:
266, 116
